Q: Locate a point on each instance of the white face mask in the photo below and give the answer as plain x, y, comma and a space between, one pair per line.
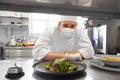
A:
67, 33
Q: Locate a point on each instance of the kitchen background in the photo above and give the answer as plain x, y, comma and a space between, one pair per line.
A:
7, 29
21, 25
22, 29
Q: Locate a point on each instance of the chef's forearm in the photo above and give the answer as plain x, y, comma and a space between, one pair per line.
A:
53, 56
72, 52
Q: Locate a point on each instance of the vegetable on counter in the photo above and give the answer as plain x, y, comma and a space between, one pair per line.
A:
27, 44
60, 65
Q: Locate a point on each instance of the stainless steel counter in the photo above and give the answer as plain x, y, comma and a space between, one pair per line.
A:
92, 73
18, 48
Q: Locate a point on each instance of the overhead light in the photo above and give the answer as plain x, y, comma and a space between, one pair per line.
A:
44, 1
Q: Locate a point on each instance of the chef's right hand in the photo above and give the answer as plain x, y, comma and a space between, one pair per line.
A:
75, 56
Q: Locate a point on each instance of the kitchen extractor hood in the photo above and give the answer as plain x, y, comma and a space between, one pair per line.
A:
92, 8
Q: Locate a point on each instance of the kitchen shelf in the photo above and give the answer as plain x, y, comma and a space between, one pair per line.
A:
13, 21
14, 17
13, 25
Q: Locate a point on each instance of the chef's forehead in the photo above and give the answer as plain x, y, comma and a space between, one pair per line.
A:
68, 18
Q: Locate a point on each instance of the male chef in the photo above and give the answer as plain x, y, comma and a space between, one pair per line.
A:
65, 41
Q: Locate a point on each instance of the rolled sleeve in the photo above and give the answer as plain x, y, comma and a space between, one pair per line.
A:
86, 53
40, 54
42, 46
85, 46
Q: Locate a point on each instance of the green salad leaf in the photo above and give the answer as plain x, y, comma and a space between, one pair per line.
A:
60, 65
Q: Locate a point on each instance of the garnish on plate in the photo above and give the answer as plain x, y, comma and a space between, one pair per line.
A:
60, 65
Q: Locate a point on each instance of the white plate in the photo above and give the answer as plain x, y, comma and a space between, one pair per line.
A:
100, 64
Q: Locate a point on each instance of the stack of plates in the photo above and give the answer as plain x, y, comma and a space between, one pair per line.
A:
107, 62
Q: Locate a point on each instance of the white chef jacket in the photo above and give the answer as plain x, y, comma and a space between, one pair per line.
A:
52, 41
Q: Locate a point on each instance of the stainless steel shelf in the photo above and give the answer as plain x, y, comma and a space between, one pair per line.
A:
13, 25
14, 17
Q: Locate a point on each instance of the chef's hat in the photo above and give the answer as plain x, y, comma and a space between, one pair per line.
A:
68, 18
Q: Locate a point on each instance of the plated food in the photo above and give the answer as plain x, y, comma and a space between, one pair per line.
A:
59, 68
116, 59
109, 60
60, 65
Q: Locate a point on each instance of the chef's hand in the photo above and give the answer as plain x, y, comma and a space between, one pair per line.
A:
72, 55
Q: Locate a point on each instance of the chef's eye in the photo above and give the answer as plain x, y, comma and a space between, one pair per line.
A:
65, 25
72, 26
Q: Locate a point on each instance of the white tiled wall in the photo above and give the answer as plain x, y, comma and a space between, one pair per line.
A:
3, 35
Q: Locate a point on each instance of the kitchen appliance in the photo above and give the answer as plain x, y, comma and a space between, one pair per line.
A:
1, 53
1, 50
18, 52
108, 39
